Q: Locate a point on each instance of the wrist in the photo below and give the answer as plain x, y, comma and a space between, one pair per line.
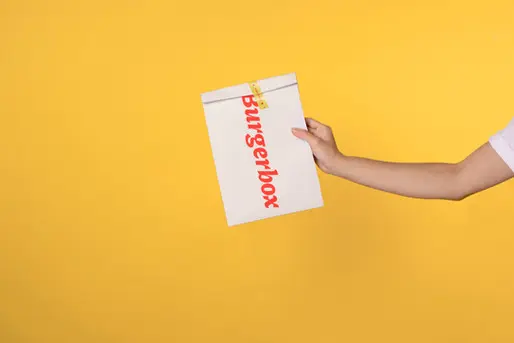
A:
337, 165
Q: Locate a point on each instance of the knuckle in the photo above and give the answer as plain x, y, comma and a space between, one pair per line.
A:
316, 141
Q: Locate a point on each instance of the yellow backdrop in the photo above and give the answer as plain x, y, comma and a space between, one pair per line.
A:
112, 225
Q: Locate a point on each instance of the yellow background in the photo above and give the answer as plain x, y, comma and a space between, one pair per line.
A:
112, 226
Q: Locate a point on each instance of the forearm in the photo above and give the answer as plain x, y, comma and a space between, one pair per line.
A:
416, 180
483, 168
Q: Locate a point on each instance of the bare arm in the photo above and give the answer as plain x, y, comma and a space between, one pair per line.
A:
482, 169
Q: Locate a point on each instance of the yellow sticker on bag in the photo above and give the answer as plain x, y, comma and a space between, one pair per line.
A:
256, 90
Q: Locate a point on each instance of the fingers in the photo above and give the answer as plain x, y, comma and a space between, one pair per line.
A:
306, 136
312, 123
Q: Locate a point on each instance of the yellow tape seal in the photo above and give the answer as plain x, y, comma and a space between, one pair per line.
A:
256, 90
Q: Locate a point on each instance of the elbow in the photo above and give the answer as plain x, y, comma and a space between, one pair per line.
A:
458, 186
455, 195
459, 196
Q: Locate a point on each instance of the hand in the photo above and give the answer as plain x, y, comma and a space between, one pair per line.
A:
322, 143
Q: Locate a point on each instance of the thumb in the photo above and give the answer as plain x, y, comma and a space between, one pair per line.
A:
305, 135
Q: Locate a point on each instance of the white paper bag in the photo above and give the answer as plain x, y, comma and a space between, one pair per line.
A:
263, 170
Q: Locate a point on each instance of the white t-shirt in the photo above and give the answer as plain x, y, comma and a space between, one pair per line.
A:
503, 143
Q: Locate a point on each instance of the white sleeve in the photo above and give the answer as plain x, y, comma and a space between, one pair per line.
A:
503, 143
